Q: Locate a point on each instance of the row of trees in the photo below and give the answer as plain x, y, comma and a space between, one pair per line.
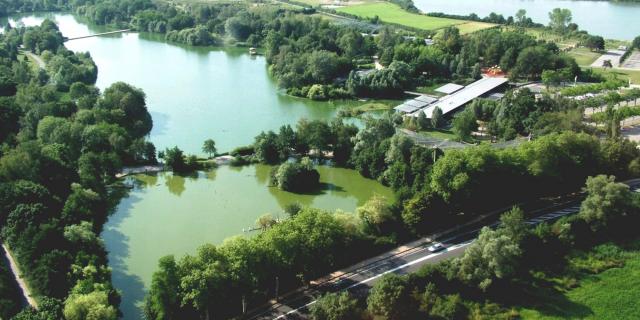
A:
62, 142
500, 263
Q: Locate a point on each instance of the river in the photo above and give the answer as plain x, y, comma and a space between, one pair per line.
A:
612, 20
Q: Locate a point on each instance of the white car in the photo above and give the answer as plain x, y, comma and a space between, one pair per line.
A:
436, 247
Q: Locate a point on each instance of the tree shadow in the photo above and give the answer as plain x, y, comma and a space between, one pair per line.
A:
546, 298
131, 287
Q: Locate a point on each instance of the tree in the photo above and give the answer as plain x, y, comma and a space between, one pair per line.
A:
492, 256
265, 221
607, 201
559, 19
594, 43
174, 158
436, 117
521, 16
375, 212
296, 177
163, 302
267, 148
336, 306
423, 122
209, 147
91, 306
390, 297
464, 123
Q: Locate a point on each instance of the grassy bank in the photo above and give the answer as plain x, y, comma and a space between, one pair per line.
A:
584, 56
391, 13
609, 295
634, 76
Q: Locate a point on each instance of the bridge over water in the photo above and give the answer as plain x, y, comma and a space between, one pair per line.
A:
98, 34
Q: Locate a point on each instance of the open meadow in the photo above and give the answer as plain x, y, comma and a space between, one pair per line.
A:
391, 13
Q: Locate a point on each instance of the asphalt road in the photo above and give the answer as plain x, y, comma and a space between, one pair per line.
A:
409, 258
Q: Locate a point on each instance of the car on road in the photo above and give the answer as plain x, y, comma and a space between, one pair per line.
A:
436, 247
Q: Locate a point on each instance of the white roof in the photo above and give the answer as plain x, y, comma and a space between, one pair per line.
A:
449, 88
416, 104
406, 108
426, 99
462, 97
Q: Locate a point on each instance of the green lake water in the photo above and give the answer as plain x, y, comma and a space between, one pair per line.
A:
168, 214
194, 94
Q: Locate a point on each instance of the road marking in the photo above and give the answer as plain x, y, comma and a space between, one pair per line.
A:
408, 264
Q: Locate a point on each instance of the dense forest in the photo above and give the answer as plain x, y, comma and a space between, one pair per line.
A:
62, 141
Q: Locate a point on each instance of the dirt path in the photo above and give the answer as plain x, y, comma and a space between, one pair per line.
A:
36, 58
16, 273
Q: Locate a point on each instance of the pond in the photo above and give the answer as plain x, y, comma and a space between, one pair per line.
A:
610, 19
193, 93
169, 214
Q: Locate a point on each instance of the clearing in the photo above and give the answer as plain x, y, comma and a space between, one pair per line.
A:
391, 13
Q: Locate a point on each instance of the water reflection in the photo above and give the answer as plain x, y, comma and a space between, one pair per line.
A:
174, 214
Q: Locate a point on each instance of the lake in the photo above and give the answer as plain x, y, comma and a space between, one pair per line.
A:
168, 214
193, 93
612, 20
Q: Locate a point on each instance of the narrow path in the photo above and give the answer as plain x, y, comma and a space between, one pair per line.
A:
16, 273
36, 58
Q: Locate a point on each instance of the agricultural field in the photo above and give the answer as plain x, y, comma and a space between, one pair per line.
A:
609, 295
391, 13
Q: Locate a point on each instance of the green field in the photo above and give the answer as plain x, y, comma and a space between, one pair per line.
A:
392, 13
584, 56
621, 74
610, 295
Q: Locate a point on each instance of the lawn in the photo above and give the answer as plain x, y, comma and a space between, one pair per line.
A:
621, 74
610, 295
438, 134
584, 56
391, 13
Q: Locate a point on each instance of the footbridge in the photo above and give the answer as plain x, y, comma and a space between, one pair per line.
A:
98, 34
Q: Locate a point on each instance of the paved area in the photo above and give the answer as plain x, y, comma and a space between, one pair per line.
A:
632, 133
632, 62
613, 55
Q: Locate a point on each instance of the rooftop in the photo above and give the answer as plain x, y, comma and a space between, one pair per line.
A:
462, 97
449, 88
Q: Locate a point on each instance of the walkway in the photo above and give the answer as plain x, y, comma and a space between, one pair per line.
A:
16, 273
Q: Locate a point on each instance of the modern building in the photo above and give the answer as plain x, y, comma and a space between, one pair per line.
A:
461, 97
